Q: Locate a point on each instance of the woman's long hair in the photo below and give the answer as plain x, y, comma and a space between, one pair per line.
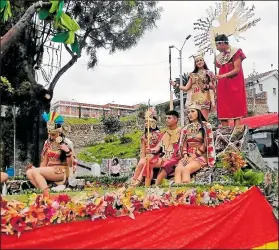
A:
62, 153
196, 69
201, 123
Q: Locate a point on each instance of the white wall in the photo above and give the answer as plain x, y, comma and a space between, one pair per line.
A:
272, 100
268, 85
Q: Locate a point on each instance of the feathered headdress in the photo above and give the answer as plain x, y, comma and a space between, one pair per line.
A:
53, 119
150, 113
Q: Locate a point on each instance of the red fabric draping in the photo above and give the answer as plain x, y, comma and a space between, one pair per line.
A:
244, 223
259, 120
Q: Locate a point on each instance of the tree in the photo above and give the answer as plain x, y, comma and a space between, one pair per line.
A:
141, 110
185, 78
113, 25
80, 26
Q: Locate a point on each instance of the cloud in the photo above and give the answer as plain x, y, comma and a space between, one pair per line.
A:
142, 73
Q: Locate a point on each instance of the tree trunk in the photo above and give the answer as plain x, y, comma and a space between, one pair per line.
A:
11, 36
61, 72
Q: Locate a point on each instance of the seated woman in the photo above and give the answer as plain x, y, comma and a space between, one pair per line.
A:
4, 177
196, 145
155, 136
115, 168
56, 156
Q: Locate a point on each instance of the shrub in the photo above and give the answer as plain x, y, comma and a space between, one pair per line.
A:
125, 139
111, 124
110, 138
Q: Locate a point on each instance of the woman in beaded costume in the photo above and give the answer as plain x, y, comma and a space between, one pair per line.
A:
154, 137
56, 156
200, 86
196, 145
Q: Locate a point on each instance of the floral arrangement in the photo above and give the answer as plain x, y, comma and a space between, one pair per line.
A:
17, 217
233, 161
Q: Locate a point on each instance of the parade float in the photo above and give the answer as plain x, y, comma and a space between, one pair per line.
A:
231, 206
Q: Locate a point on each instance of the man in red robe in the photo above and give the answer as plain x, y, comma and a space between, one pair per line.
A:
231, 93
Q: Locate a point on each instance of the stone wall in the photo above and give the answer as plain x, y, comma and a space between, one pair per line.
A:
83, 135
257, 103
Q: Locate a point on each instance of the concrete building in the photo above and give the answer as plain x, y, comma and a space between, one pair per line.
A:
264, 84
73, 109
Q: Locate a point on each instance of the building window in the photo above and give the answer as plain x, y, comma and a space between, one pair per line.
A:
261, 87
274, 91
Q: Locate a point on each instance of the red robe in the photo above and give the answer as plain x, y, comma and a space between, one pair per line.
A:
231, 93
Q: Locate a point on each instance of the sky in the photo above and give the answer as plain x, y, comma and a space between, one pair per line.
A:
142, 73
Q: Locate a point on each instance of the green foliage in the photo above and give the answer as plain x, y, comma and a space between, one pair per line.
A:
111, 124
213, 120
5, 10
141, 110
110, 138
128, 118
75, 120
105, 180
125, 139
5, 85
185, 78
249, 177
113, 149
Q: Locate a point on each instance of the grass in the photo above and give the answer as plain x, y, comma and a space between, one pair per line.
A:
128, 118
75, 120
113, 149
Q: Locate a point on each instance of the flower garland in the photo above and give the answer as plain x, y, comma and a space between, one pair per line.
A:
17, 217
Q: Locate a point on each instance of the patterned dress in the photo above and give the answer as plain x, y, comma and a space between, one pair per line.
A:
191, 140
202, 89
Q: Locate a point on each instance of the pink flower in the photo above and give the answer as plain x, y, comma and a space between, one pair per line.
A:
193, 199
109, 198
18, 224
110, 211
213, 195
63, 198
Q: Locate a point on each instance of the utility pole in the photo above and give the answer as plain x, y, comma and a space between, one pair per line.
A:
181, 81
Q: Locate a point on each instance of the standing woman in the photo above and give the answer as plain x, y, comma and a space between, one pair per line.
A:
196, 145
200, 86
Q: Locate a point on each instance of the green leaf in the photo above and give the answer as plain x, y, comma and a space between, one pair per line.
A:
61, 37
60, 10
75, 46
66, 21
132, 3
3, 4
69, 23
54, 6
43, 14
71, 37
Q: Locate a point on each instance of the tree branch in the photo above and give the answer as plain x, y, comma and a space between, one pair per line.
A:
68, 49
69, 64
11, 36
61, 72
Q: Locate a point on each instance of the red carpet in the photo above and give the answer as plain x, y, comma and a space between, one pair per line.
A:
244, 223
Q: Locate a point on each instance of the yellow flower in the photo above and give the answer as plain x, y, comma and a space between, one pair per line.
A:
146, 204
97, 201
126, 202
139, 193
